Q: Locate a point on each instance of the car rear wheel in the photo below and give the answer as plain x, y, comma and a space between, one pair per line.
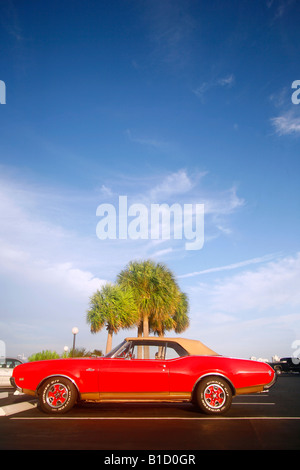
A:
214, 395
57, 395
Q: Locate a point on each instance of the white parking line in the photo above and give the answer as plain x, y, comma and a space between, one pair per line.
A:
157, 418
252, 403
17, 408
12, 409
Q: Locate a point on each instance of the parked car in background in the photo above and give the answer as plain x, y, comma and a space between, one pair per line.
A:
145, 369
286, 364
7, 366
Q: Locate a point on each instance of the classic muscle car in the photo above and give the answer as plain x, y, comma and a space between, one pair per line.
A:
145, 369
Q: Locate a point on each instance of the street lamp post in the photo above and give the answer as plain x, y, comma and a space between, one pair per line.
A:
74, 331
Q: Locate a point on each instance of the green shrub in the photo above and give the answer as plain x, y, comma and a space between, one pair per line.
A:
42, 356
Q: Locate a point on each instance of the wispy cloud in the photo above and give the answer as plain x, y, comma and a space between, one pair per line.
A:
174, 184
148, 141
185, 187
10, 21
228, 267
226, 81
279, 7
286, 124
257, 298
170, 26
271, 286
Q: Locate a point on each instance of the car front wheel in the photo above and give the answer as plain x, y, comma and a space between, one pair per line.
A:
57, 395
214, 395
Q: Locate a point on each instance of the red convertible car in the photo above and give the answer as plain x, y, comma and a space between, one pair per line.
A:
144, 369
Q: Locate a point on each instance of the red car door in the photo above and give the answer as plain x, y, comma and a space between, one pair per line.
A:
134, 376
87, 371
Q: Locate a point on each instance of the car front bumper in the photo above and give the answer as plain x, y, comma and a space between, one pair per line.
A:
13, 384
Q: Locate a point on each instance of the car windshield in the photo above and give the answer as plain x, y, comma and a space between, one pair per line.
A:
117, 350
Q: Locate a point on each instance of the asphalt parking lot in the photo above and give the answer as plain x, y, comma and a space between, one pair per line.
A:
255, 422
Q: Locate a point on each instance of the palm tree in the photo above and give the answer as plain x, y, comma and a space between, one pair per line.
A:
156, 293
113, 307
178, 322
181, 318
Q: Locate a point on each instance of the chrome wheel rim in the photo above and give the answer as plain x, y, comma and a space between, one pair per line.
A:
214, 396
57, 395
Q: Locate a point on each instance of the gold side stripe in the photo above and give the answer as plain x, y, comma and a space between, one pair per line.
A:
137, 396
246, 390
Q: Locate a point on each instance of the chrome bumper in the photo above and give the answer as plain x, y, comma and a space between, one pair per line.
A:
13, 384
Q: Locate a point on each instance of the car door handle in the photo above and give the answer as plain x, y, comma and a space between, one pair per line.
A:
90, 370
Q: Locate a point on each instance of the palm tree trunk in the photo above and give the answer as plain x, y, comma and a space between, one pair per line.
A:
109, 339
140, 334
145, 325
146, 334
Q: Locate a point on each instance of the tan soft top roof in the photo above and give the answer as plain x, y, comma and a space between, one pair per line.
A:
192, 346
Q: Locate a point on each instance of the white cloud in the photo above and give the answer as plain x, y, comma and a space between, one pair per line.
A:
286, 124
226, 81
272, 286
173, 184
223, 202
52, 226
64, 277
181, 187
35, 248
253, 312
178, 186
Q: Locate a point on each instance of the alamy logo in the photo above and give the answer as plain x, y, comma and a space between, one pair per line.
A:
2, 92
296, 94
159, 222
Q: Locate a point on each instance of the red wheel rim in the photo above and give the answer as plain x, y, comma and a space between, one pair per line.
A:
57, 395
214, 396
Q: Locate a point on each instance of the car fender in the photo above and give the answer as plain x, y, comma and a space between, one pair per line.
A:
57, 375
213, 374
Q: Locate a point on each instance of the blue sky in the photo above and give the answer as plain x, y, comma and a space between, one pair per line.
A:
163, 102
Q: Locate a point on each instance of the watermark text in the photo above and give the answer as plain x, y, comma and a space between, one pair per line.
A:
157, 222
2, 92
296, 94
296, 353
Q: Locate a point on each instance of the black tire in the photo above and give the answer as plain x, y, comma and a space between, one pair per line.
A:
214, 395
57, 395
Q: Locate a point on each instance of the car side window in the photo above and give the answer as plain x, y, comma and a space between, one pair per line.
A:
174, 350
157, 351
147, 351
